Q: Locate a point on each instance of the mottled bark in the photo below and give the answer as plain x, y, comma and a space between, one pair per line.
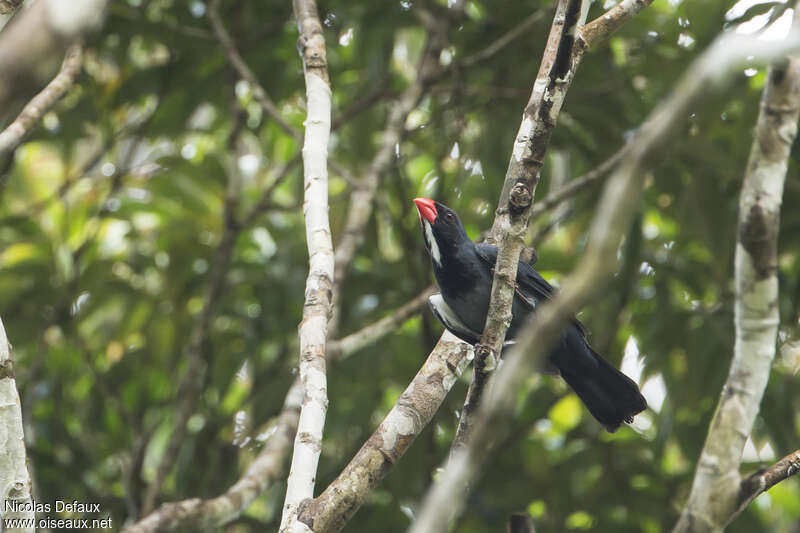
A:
411, 413
13, 135
313, 329
714, 497
556, 71
14, 478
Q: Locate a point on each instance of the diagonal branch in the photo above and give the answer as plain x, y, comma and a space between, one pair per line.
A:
331, 510
189, 386
238, 63
313, 329
39, 33
342, 348
13, 135
613, 215
363, 195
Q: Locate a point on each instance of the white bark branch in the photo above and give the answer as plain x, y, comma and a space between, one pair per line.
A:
715, 490
314, 326
15, 481
613, 216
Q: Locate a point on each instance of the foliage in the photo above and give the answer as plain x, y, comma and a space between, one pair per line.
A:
114, 209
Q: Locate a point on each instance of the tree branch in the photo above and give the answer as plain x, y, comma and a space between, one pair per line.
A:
331, 510
13, 135
342, 348
556, 72
36, 35
598, 263
714, 498
235, 59
313, 329
190, 384
14, 478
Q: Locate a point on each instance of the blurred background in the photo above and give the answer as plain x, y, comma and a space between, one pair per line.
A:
115, 234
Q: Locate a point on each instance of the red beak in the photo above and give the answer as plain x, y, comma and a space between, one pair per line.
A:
426, 208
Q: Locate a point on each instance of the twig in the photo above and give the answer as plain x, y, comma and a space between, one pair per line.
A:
507, 38
260, 94
713, 499
313, 329
598, 263
340, 349
235, 59
13, 135
202, 515
576, 185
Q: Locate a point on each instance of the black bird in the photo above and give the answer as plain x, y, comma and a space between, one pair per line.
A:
464, 271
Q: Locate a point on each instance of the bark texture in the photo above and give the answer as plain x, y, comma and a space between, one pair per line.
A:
201, 515
319, 284
331, 510
614, 214
14, 478
715, 490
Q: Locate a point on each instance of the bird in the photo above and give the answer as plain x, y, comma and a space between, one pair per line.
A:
464, 271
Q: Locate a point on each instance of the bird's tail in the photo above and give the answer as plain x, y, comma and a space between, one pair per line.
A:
611, 396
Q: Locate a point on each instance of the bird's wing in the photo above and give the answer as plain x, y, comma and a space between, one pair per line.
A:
531, 287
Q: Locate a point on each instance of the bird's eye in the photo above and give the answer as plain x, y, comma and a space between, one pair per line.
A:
449, 216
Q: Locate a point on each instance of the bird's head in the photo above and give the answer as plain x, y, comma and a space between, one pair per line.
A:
441, 228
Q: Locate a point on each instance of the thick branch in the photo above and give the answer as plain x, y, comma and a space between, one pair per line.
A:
14, 478
613, 216
13, 135
313, 329
411, 413
715, 490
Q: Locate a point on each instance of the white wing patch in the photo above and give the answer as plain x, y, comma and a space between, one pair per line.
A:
432, 246
449, 319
